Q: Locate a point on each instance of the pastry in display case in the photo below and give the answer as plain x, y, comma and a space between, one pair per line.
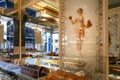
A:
6, 50
34, 70
29, 55
6, 58
62, 75
32, 50
52, 54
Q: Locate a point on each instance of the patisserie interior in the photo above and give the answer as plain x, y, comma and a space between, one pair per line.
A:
59, 39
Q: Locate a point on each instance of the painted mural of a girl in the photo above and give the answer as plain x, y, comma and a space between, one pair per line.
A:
80, 27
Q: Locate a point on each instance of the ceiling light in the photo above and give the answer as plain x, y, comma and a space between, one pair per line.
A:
57, 19
44, 14
43, 19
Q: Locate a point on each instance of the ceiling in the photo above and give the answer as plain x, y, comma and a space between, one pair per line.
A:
48, 10
51, 5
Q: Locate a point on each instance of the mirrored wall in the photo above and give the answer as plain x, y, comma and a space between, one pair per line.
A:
114, 39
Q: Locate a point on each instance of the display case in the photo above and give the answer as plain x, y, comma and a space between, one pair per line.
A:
24, 72
47, 60
50, 61
34, 71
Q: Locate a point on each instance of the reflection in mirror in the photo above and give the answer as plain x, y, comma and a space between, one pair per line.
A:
114, 39
29, 38
41, 33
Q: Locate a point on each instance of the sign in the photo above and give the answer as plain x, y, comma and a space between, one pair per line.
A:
1, 33
37, 34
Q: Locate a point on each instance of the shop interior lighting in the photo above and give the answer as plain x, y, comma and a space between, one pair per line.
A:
44, 14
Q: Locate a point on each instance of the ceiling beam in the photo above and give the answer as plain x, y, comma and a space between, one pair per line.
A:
25, 3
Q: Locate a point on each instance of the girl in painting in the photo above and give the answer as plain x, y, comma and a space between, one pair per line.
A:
80, 27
